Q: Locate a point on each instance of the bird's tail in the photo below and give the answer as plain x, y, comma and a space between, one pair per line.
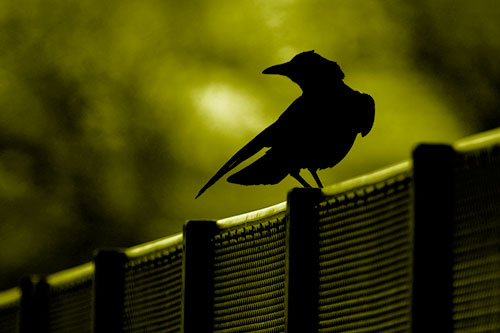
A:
250, 149
265, 171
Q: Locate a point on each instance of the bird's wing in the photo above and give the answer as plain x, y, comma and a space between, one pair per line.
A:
366, 107
266, 170
263, 139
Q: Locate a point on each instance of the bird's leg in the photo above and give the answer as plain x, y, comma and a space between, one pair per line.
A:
301, 180
316, 178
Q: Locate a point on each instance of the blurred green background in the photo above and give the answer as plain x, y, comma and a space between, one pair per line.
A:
114, 113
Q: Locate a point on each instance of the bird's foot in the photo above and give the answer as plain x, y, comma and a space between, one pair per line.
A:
301, 180
316, 178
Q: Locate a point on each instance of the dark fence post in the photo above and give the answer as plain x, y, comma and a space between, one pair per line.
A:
34, 305
433, 252
197, 269
301, 286
108, 291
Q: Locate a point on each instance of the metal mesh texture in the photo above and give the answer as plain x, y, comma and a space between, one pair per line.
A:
70, 306
476, 238
365, 258
152, 292
249, 277
9, 313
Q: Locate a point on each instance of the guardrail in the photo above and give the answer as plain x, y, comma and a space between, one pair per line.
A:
413, 247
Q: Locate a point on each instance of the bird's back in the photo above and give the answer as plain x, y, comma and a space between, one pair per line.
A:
319, 128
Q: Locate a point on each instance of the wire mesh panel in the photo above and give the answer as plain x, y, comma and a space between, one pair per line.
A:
365, 255
152, 287
10, 304
249, 273
476, 235
69, 299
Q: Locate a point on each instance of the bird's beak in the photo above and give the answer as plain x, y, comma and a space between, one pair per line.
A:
281, 69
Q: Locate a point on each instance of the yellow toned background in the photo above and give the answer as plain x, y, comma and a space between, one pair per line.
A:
114, 113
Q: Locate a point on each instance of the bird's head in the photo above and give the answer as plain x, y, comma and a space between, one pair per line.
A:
308, 69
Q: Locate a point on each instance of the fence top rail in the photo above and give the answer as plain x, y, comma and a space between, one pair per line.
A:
10, 296
368, 179
246, 218
153, 246
375, 177
478, 141
71, 275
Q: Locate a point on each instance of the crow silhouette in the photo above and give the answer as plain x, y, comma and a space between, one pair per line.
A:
315, 132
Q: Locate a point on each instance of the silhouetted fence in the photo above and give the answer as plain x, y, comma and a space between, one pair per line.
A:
413, 247
140, 288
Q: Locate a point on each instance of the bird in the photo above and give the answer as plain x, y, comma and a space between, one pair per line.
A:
315, 132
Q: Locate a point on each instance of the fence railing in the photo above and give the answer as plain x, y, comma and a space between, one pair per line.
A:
413, 247
10, 310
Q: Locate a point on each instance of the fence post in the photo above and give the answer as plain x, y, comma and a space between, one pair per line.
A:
197, 270
108, 290
34, 305
301, 285
433, 252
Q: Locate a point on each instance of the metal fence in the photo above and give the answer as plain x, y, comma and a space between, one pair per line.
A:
476, 235
10, 310
364, 255
139, 289
413, 247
